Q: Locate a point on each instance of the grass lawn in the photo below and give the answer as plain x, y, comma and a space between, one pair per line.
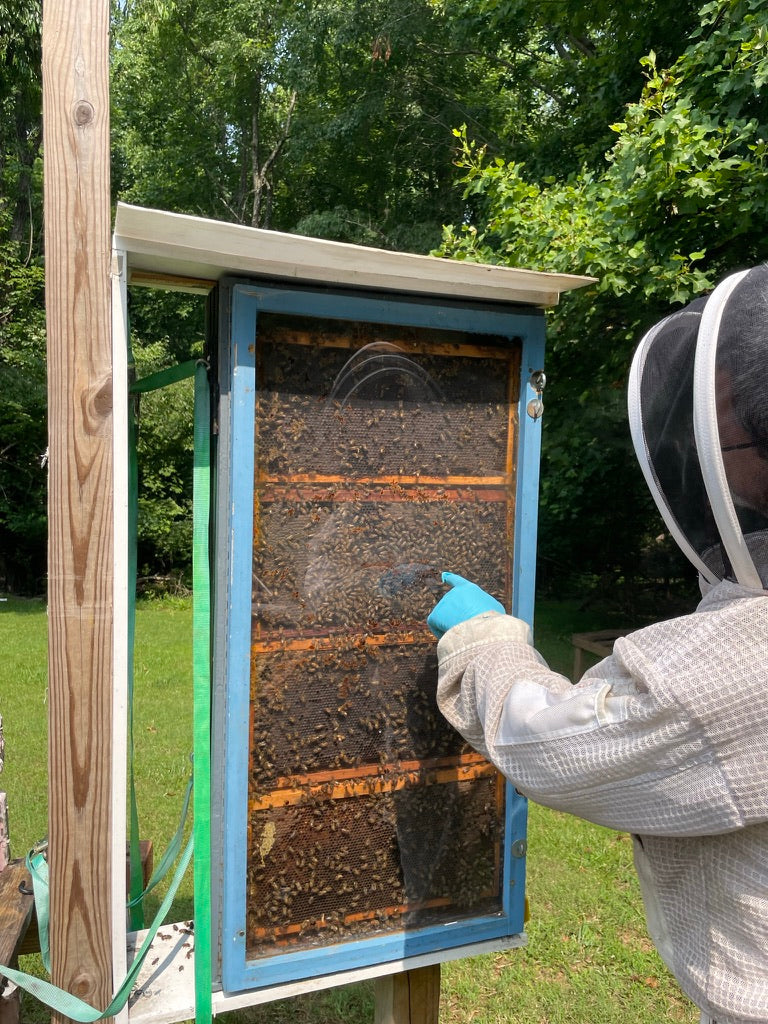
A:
588, 958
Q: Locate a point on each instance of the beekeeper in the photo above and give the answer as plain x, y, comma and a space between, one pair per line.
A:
668, 737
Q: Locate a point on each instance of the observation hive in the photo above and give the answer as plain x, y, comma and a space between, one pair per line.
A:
371, 429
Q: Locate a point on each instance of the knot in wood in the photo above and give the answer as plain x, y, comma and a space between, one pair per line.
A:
101, 399
83, 985
83, 113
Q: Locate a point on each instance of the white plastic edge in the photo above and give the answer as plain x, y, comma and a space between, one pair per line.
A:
641, 451
120, 618
707, 434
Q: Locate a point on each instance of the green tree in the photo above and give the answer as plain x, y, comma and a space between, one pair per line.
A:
22, 316
164, 450
683, 200
372, 157
20, 123
566, 69
201, 108
333, 117
23, 439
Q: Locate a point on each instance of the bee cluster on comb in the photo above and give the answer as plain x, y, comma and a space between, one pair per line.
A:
382, 455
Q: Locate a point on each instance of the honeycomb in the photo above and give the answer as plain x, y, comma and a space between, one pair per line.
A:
383, 455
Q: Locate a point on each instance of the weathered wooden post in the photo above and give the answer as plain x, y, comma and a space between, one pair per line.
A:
80, 511
412, 997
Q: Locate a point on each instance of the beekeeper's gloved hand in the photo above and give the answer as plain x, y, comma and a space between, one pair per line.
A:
463, 601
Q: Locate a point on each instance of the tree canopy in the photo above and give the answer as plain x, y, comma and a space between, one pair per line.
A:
333, 118
22, 317
682, 201
566, 69
625, 142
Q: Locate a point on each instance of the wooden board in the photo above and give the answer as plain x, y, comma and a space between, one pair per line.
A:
75, 69
599, 643
16, 909
5, 855
412, 997
5, 844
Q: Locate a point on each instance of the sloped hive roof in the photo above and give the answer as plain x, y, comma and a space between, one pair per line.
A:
177, 251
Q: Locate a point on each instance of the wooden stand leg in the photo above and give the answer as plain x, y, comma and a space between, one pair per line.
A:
412, 997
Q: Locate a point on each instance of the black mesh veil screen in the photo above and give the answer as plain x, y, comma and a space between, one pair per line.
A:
682, 392
383, 456
666, 403
741, 380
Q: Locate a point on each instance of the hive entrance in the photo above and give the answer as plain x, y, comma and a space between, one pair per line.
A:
382, 456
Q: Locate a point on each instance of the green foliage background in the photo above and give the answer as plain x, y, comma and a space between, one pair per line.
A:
22, 317
624, 143
681, 201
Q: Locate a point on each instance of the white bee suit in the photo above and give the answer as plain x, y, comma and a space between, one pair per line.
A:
663, 739
668, 737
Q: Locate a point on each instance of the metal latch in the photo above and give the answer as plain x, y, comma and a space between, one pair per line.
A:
538, 381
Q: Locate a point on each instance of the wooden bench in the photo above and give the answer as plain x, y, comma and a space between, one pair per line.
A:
16, 909
599, 643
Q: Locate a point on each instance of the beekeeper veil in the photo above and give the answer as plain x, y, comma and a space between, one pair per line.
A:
698, 411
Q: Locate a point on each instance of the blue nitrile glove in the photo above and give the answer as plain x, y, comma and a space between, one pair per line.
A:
464, 601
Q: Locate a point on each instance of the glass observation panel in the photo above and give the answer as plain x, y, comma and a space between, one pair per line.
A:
383, 455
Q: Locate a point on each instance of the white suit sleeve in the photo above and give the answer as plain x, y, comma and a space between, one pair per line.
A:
608, 749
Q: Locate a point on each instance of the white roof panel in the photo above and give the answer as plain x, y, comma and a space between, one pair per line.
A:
172, 250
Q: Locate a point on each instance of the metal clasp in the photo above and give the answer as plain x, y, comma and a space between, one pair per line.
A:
538, 381
41, 846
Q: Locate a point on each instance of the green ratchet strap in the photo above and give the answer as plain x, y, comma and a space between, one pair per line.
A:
201, 628
136, 878
152, 382
37, 866
171, 851
77, 1009
201, 679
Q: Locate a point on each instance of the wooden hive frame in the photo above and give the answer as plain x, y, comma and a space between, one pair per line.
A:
499, 487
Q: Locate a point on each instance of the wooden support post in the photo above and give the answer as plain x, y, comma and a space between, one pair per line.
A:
80, 512
411, 997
